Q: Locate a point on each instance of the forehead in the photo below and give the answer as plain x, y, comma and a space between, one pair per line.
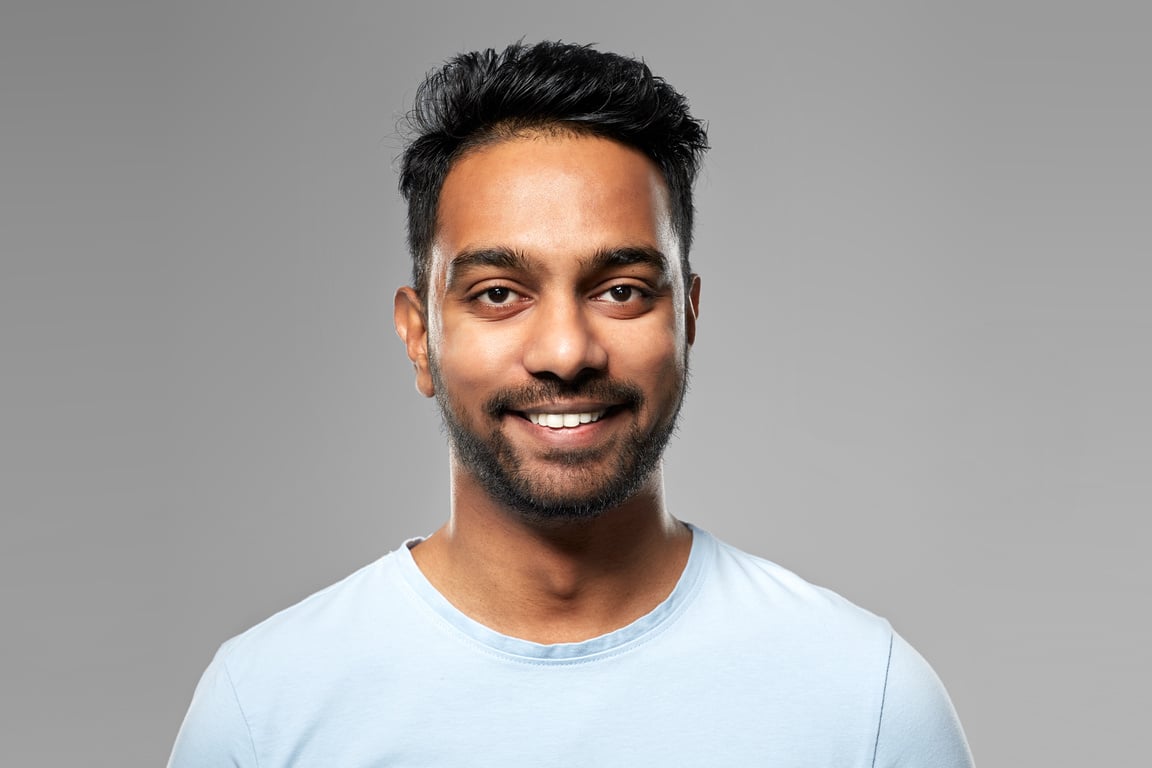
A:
553, 197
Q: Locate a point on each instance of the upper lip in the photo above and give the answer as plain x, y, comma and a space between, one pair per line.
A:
566, 407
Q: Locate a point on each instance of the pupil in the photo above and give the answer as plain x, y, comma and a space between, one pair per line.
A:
622, 292
497, 295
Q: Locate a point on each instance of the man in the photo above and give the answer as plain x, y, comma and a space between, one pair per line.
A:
562, 616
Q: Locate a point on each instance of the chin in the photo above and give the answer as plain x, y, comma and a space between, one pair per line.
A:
550, 504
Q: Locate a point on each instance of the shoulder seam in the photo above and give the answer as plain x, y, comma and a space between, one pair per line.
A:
243, 714
883, 697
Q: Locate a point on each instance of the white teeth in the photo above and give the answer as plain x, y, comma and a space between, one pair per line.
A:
563, 420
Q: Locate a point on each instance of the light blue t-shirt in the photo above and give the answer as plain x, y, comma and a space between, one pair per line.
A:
744, 664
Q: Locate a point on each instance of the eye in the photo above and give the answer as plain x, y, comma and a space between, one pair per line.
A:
497, 294
622, 294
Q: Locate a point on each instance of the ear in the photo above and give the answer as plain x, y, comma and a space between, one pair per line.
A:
412, 328
692, 308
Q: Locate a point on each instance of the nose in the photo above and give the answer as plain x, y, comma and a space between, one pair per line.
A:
563, 341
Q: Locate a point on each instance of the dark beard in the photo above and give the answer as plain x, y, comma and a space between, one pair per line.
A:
586, 492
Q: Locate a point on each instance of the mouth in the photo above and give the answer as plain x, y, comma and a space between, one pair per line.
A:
565, 419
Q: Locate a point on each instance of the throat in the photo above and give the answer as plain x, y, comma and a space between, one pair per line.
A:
546, 591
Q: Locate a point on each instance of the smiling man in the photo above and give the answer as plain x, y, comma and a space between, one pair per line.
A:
562, 616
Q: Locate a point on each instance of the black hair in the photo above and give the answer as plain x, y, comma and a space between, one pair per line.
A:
486, 96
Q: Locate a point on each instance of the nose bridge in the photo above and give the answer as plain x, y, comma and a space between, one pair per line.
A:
563, 340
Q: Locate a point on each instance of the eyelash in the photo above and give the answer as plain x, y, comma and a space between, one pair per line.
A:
634, 292
640, 293
484, 293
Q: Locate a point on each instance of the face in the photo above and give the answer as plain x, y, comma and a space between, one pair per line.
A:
557, 323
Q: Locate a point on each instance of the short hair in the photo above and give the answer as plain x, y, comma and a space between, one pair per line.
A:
487, 96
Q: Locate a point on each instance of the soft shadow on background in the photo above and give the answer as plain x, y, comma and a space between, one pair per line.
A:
921, 376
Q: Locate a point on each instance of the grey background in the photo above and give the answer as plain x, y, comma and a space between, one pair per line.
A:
921, 379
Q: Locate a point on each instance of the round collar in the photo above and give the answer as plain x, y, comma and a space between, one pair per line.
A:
615, 642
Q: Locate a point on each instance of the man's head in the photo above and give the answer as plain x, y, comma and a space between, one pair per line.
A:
485, 97
554, 307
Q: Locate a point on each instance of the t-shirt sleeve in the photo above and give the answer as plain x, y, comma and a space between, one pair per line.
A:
214, 731
918, 725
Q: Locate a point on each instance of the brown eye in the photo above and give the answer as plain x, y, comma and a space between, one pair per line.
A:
497, 295
623, 294
624, 299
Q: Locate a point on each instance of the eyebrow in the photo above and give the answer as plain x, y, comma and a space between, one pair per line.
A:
478, 258
508, 259
626, 256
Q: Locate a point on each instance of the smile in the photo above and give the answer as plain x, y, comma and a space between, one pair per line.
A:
564, 420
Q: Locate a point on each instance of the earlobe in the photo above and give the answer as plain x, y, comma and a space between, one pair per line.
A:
692, 308
412, 328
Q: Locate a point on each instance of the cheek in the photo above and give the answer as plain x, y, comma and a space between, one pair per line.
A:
652, 354
476, 357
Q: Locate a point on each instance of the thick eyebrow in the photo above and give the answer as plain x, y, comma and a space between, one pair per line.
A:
516, 261
478, 258
607, 258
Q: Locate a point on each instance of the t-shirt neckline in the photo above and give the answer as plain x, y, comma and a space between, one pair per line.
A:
612, 643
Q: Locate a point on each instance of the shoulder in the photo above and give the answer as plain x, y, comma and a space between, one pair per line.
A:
300, 655
918, 724
759, 588
329, 624
841, 655
781, 627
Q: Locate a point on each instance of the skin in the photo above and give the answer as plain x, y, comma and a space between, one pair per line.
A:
556, 314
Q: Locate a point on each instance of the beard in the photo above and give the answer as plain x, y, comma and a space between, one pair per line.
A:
583, 485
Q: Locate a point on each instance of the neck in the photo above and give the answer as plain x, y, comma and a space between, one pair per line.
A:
555, 581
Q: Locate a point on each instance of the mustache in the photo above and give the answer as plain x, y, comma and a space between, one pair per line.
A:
622, 393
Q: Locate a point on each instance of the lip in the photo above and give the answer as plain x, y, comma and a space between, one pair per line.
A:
571, 406
586, 435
